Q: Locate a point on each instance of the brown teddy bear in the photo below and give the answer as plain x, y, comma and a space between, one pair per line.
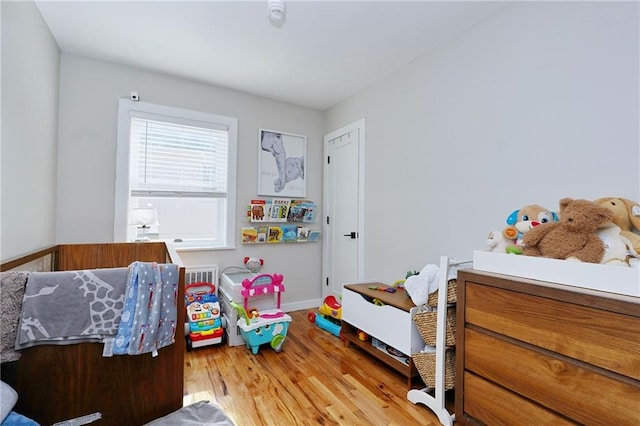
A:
626, 214
574, 236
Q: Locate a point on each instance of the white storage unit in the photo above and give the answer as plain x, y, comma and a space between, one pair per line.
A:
389, 324
230, 287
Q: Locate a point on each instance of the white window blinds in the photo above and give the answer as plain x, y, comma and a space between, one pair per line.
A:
178, 160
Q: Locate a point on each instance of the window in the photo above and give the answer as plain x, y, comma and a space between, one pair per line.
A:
177, 166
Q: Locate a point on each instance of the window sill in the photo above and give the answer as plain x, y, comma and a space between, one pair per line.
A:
198, 245
179, 247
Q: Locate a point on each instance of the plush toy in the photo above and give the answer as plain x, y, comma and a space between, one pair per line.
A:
574, 236
521, 221
615, 247
498, 242
626, 214
253, 264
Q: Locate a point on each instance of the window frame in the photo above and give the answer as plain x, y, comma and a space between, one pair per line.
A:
122, 189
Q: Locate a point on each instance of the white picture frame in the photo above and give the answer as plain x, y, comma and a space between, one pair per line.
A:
281, 164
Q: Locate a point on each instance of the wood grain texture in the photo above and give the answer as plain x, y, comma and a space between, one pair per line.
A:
110, 255
533, 344
397, 299
493, 405
58, 383
606, 339
314, 380
30, 257
560, 384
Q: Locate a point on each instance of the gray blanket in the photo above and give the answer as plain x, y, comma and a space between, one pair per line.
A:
12, 286
202, 413
71, 306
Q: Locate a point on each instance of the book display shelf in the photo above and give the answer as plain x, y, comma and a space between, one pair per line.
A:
280, 220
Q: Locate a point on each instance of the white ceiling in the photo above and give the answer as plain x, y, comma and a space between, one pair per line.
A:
324, 52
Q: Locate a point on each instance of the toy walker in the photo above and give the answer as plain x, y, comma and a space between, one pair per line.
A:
203, 314
330, 316
269, 326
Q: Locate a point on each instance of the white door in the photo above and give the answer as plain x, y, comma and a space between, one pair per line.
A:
343, 218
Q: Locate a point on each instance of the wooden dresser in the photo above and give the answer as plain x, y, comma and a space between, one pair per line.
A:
531, 352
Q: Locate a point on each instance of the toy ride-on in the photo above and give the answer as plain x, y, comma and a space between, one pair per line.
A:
330, 316
203, 315
268, 326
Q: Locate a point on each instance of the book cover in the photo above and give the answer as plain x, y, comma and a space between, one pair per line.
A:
313, 236
279, 209
297, 210
258, 211
274, 235
289, 233
303, 234
310, 212
249, 235
263, 231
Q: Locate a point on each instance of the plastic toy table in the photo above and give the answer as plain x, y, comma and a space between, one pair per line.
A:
270, 327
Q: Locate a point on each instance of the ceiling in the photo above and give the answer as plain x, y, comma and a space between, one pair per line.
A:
324, 52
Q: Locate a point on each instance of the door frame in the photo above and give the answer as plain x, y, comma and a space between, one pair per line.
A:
360, 126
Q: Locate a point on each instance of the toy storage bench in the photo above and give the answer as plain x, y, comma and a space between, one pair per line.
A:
392, 324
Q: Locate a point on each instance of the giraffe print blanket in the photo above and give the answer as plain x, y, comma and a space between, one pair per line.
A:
66, 307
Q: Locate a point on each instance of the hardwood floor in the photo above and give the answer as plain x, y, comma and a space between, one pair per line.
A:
313, 380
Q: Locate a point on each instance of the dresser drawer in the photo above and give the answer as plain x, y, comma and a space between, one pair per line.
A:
495, 405
606, 339
558, 383
387, 323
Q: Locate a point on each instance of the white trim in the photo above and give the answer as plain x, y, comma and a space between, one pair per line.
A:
360, 126
121, 196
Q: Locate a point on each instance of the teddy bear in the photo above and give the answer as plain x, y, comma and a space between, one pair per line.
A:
521, 221
626, 215
574, 236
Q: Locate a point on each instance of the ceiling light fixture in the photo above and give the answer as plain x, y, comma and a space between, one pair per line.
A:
276, 11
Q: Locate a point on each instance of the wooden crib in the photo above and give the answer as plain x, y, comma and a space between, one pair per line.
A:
58, 383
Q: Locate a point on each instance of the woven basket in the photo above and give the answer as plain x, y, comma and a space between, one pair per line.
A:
452, 294
426, 323
426, 365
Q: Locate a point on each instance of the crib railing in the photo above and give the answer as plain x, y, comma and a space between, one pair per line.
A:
59, 383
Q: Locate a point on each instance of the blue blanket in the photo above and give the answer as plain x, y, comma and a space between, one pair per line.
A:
149, 316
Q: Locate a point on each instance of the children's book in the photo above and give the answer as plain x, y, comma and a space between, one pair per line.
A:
314, 236
302, 211
279, 209
263, 231
259, 211
303, 234
297, 210
289, 233
249, 235
274, 235
310, 212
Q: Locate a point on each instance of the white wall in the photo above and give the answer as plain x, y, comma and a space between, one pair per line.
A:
89, 93
536, 103
30, 61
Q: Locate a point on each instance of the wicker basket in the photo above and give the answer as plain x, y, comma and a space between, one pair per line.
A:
426, 323
452, 294
426, 365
